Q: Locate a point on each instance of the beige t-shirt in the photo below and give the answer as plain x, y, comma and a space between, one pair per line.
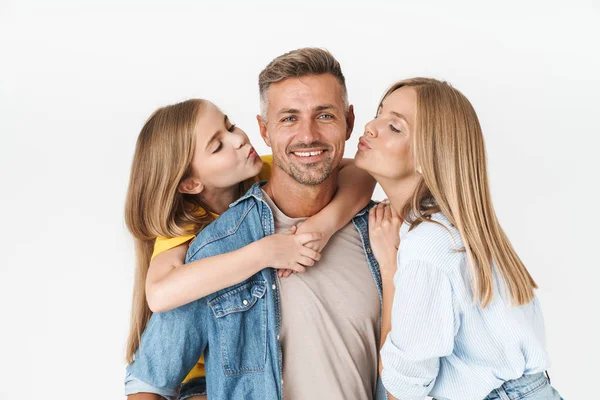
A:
330, 322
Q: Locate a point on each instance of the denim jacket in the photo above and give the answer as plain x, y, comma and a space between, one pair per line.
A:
237, 328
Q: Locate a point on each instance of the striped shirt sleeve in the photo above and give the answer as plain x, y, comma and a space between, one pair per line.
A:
422, 330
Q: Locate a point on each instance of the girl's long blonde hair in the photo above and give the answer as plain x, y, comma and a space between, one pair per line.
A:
154, 207
450, 154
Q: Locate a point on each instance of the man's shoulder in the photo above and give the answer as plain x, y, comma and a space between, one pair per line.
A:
235, 228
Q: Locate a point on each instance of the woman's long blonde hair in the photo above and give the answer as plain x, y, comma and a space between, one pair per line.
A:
450, 154
154, 207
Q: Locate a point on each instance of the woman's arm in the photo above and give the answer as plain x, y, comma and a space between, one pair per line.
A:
384, 235
171, 283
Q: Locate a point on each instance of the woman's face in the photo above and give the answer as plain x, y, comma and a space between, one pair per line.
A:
385, 150
223, 156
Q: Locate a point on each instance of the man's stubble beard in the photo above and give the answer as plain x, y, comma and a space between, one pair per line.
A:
306, 178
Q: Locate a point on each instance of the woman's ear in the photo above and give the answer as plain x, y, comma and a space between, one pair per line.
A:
190, 186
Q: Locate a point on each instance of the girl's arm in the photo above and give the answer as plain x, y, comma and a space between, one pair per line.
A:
170, 284
384, 235
355, 189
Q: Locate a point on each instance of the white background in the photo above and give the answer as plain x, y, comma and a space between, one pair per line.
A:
77, 82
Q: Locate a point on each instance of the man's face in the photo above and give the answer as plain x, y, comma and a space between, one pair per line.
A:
307, 126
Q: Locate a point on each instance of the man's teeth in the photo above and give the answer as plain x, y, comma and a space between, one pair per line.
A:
307, 153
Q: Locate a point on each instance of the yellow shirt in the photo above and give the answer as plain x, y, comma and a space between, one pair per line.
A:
163, 244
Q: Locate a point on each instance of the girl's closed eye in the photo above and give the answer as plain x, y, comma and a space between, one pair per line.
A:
219, 146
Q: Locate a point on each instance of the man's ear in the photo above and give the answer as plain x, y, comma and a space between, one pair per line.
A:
190, 186
262, 126
349, 121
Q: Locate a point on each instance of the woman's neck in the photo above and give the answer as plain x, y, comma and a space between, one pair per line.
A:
218, 200
399, 192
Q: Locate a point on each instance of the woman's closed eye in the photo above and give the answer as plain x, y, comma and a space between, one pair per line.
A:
394, 129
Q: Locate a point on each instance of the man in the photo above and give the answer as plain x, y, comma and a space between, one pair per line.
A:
312, 335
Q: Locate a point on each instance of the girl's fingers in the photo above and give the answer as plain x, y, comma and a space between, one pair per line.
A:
304, 238
313, 255
309, 262
291, 231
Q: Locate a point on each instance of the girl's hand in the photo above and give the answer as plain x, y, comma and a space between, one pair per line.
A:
291, 251
316, 245
384, 234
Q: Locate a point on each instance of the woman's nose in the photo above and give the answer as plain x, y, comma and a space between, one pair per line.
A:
371, 129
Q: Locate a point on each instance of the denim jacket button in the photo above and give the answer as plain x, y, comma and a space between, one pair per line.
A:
273, 287
245, 302
277, 337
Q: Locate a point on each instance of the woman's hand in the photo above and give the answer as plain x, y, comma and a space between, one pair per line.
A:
384, 234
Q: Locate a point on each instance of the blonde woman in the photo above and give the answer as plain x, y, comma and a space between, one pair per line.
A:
465, 322
190, 163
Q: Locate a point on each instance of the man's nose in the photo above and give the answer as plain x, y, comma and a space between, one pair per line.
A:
307, 131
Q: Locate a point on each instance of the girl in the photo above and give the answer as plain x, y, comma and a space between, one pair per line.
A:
190, 163
465, 321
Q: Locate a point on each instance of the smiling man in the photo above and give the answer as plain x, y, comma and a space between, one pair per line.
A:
312, 335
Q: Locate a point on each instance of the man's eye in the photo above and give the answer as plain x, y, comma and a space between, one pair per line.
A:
326, 116
288, 119
219, 147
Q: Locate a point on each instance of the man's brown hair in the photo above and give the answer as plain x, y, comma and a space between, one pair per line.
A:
297, 63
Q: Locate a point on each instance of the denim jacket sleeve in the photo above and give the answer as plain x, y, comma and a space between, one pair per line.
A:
171, 345
174, 340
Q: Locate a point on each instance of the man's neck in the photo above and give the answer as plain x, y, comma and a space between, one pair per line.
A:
297, 200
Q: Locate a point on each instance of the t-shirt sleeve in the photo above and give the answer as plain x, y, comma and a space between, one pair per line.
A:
163, 244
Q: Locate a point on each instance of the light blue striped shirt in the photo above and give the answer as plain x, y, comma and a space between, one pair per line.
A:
442, 343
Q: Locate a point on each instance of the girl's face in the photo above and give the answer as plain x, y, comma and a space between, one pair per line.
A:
385, 150
223, 156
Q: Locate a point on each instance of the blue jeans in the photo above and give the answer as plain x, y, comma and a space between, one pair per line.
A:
194, 387
527, 387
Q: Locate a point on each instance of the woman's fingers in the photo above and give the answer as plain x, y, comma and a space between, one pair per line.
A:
388, 212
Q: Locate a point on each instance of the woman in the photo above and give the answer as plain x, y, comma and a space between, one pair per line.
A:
465, 321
